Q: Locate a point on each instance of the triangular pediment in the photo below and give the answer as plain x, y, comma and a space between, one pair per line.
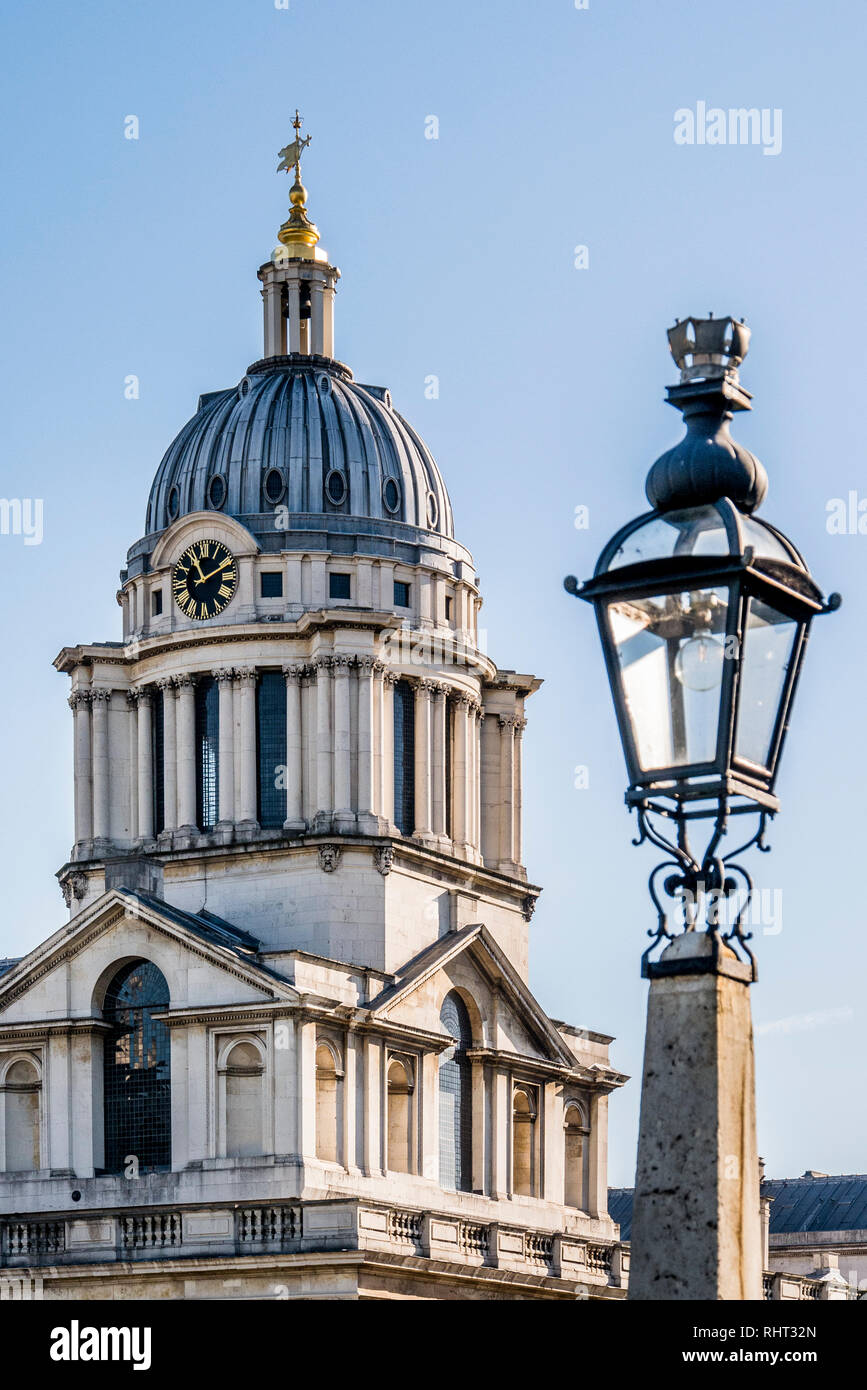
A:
206, 962
506, 1016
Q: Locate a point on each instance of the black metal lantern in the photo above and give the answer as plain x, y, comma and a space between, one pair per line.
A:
704, 612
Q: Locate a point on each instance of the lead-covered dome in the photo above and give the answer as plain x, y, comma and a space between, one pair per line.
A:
300, 434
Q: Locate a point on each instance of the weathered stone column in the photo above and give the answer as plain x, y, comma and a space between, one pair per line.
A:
246, 686
324, 760
275, 324
439, 734
82, 758
186, 733
170, 754
696, 1229
389, 681
293, 315
459, 773
99, 704
518, 829
367, 800
295, 821
507, 792
225, 678
422, 829
344, 816
145, 764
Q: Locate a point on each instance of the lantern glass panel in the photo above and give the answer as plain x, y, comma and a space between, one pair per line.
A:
698, 531
671, 651
768, 643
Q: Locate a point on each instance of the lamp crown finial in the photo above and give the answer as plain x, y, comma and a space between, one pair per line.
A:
709, 349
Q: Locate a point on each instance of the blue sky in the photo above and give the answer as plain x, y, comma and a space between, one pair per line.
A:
556, 129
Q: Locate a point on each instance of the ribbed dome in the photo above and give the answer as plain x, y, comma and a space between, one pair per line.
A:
298, 432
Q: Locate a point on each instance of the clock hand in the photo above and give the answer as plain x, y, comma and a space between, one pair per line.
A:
206, 577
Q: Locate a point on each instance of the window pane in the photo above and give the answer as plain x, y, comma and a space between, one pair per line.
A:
671, 651
207, 752
404, 757
137, 1099
699, 531
768, 642
271, 584
271, 722
339, 586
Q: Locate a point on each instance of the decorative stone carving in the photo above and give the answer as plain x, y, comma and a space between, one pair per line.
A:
329, 857
79, 697
246, 675
74, 886
101, 696
528, 907
383, 858
223, 674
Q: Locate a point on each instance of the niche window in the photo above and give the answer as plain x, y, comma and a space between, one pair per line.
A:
328, 1074
525, 1142
242, 1075
20, 1098
156, 602
574, 1156
399, 1138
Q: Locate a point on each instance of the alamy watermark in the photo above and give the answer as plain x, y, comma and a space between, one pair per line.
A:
22, 516
739, 125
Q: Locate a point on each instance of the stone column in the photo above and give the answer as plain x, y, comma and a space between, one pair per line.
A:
389, 681
490, 789
225, 678
517, 828
473, 760
99, 704
145, 764
344, 816
367, 799
328, 321
305, 1045
82, 757
170, 754
324, 760
316, 317
295, 821
246, 751
439, 734
293, 315
275, 327
308, 742
459, 773
132, 757
422, 830
186, 734
507, 792
696, 1228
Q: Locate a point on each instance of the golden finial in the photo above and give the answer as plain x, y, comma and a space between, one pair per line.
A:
297, 231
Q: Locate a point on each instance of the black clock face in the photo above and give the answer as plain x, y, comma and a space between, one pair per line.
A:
204, 579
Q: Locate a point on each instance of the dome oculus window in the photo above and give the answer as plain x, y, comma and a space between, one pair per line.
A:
432, 510
335, 487
275, 486
174, 503
391, 495
217, 491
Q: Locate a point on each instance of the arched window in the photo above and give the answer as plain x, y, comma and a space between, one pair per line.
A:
207, 752
404, 757
136, 1079
271, 738
21, 1089
399, 1115
327, 1090
574, 1131
456, 1098
245, 1071
524, 1142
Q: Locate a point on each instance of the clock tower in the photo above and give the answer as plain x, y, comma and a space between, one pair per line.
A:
298, 730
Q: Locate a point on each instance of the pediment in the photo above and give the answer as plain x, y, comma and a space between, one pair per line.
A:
204, 966
506, 1016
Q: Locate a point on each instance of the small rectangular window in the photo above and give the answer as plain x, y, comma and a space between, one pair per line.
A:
340, 586
401, 594
272, 584
156, 602
448, 608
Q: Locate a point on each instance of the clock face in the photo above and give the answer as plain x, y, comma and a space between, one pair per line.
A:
204, 579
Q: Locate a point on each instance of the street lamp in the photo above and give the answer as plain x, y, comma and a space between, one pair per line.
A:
704, 611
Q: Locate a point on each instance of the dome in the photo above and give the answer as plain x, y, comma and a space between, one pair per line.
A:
299, 434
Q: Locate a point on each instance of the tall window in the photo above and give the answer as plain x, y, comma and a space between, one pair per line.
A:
399, 1153
271, 731
137, 1100
525, 1159
574, 1131
404, 757
21, 1087
157, 746
456, 1099
207, 752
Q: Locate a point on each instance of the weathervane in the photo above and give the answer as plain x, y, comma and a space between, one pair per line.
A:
290, 156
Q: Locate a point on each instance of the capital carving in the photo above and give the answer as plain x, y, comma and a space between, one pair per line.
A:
100, 696
383, 858
321, 664
294, 670
506, 721
186, 681
329, 857
74, 886
528, 907
366, 665
166, 683
79, 699
246, 675
223, 675
341, 664
520, 726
